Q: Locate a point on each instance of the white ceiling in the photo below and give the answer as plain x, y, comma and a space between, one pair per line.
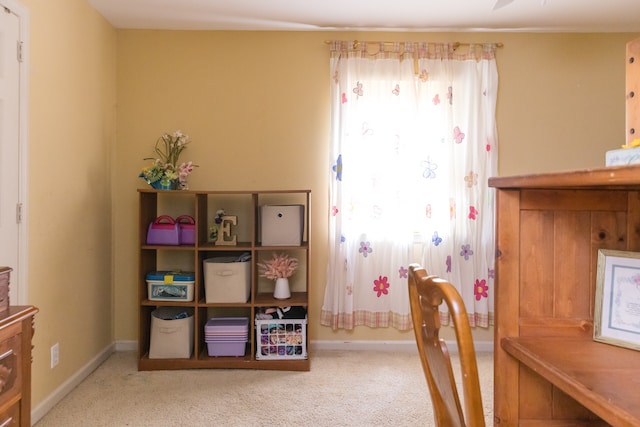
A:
375, 15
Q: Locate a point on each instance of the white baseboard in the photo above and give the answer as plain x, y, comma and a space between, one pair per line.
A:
408, 346
52, 400
126, 345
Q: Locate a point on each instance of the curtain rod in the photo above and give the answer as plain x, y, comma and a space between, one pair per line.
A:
456, 44
415, 54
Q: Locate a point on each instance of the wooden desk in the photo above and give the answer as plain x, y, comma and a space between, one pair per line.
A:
548, 371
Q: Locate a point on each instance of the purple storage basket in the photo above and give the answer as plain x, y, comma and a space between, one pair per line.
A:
186, 230
163, 231
227, 336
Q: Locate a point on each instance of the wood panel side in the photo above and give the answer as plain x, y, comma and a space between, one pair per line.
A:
633, 221
540, 400
535, 395
537, 263
609, 230
571, 261
567, 408
507, 297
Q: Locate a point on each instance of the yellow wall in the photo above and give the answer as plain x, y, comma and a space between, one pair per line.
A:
256, 107
71, 135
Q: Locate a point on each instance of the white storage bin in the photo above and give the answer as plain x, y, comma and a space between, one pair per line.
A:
281, 339
281, 225
227, 279
171, 337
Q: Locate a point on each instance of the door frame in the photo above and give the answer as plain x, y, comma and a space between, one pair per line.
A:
21, 286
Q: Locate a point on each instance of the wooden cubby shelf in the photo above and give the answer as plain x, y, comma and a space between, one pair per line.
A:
202, 207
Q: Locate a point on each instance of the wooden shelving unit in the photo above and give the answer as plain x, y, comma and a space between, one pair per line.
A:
202, 206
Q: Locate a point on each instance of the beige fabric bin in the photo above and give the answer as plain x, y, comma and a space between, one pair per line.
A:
171, 338
226, 279
281, 225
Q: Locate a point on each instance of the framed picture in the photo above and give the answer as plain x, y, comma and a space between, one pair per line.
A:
617, 309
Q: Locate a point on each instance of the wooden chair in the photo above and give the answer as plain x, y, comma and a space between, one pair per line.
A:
426, 294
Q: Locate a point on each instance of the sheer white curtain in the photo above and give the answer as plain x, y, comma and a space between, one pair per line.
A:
413, 143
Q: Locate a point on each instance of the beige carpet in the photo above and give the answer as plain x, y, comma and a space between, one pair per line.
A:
343, 388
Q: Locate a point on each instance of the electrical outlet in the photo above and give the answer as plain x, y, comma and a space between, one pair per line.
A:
55, 355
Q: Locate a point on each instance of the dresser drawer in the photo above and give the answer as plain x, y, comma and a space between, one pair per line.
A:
10, 364
16, 332
11, 417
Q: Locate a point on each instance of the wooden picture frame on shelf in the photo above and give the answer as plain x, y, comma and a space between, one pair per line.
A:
617, 300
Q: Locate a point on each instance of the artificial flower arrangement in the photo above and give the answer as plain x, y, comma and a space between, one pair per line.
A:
165, 170
280, 266
213, 230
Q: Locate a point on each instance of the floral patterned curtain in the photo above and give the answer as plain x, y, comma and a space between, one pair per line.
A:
413, 143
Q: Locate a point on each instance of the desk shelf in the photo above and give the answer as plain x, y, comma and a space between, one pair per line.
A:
596, 375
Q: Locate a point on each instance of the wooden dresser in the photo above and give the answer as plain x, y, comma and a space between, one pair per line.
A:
16, 331
548, 369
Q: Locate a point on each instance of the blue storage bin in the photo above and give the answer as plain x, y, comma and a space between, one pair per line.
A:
170, 285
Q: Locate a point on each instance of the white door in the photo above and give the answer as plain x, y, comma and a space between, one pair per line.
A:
10, 51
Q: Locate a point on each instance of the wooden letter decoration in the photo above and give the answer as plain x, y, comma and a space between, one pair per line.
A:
225, 237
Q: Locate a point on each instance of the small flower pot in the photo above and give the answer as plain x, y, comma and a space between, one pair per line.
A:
159, 185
